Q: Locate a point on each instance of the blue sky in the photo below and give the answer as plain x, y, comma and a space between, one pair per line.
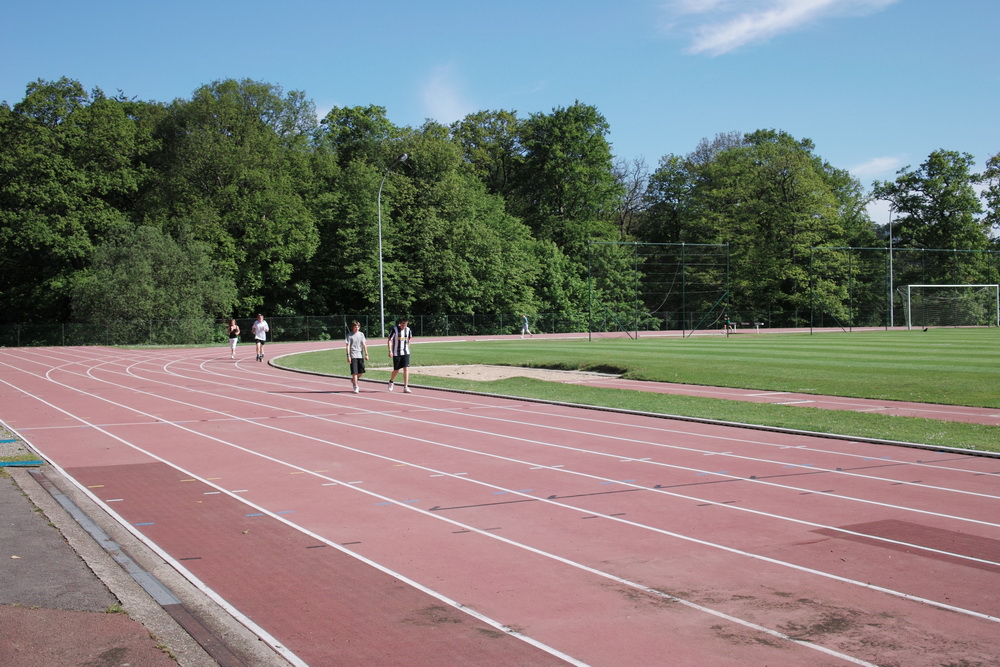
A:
876, 84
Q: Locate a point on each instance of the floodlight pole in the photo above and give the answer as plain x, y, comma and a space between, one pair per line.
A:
381, 286
892, 320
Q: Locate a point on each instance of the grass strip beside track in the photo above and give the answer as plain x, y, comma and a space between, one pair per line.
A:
957, 367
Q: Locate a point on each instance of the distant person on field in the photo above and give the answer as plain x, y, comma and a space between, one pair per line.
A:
233, 331
260, 330
399, 351
525, 329
357, 352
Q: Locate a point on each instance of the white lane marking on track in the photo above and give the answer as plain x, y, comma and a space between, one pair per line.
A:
535, 412
486, 533
773, 484
578, 418
424, 440
291, 657
933, 603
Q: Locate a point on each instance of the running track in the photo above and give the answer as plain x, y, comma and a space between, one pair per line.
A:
442, 528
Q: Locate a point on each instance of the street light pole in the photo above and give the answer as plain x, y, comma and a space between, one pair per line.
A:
381, 288
892, 294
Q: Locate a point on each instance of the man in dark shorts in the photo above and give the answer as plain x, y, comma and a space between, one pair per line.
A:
399, 351
357, 352
260, 330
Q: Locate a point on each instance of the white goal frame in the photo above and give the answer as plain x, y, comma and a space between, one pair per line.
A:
996, 297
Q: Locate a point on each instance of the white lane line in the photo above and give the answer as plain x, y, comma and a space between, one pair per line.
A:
291, 657
696, 540
466, 527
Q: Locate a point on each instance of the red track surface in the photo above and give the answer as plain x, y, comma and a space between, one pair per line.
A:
441, 528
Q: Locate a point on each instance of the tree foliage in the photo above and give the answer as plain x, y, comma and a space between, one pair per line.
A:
936, 205
71, 165
145, 275
238, 199
767, 196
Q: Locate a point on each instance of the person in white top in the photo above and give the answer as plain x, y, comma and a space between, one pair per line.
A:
399, 351
260, 330
357, 352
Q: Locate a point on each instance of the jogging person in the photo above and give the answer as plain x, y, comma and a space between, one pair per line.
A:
357, 352
233, 330
399, 350
525, 329
260, 330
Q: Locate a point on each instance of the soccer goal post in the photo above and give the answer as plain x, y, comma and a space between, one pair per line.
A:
952, 306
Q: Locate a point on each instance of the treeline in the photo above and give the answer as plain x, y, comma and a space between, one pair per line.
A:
240, 200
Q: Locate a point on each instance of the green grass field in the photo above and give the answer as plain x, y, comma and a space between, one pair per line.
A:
947, 366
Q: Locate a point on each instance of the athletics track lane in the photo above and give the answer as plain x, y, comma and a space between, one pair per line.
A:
440, 528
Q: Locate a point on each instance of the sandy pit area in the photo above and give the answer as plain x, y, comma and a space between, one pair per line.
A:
484, 373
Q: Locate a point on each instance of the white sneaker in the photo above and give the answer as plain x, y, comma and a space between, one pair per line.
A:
392, 385
356, 390
406, 390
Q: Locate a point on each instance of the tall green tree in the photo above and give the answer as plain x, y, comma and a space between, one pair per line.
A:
669, 201
491, 144
357, 133
936, 208
235, 170
71, 167
936, 205
772, 200
451, 245
567, 191
991, 192
145, 275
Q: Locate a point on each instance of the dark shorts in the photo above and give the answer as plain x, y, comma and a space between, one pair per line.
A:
260, 341
357, 366
402, 361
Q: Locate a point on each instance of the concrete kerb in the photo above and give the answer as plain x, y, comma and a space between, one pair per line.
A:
230, 642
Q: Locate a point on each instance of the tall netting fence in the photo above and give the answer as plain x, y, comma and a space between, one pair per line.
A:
210, 331
637, 287
867, 287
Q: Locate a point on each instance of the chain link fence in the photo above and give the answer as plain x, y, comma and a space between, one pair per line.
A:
866, 287
283, 329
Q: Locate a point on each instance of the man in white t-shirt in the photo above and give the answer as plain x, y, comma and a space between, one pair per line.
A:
260, 330
357, 352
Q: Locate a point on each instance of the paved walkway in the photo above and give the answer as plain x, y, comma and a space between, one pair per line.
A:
68, 598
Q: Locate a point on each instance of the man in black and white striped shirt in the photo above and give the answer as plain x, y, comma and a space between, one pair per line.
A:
399, 350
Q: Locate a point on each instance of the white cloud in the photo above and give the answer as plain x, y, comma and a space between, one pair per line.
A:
721, 26
885, 167
442, 97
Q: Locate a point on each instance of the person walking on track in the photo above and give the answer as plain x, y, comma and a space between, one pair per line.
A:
357, 352
399, 350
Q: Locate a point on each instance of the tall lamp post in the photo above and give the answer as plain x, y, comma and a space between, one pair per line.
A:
892, 295
381, 289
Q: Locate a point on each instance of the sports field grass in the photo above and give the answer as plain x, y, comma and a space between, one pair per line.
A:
947, 366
